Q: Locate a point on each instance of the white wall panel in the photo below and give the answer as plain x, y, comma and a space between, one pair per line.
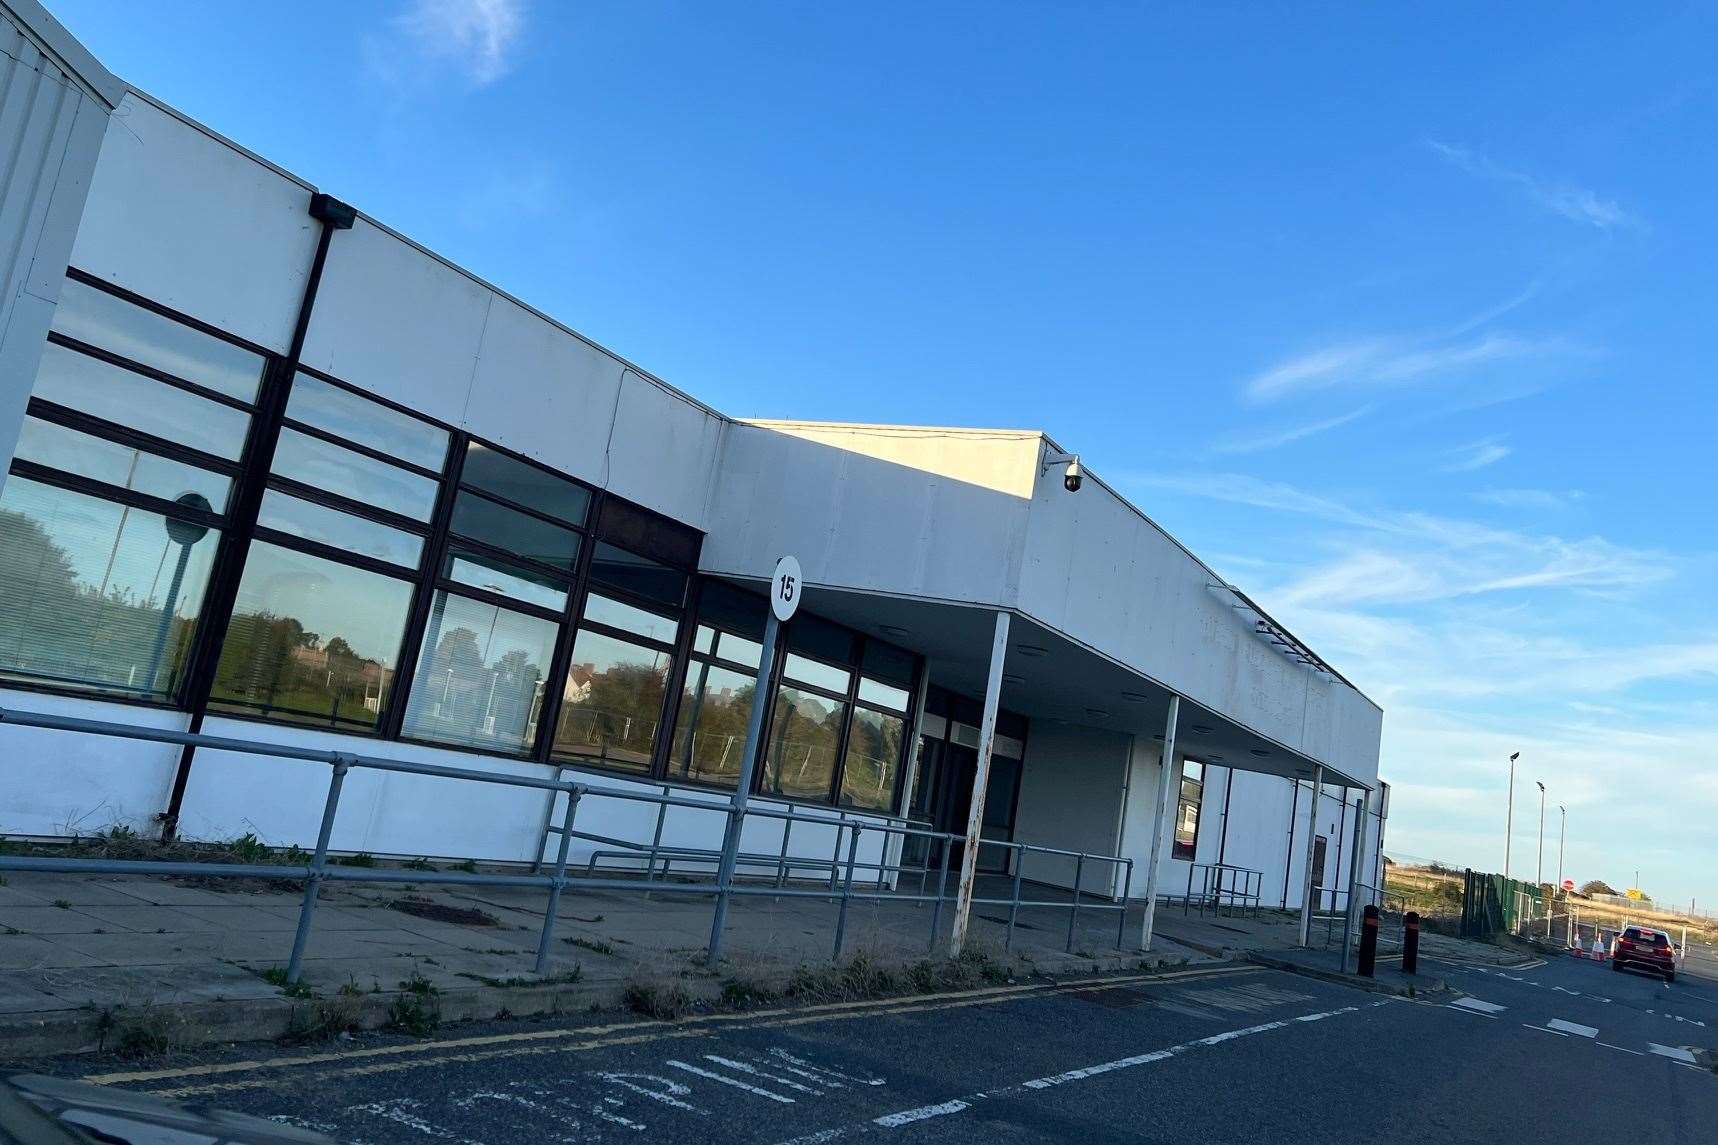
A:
863, 521
544, 393
1070, 798
394, 321
190, 221
66, 783
664, 450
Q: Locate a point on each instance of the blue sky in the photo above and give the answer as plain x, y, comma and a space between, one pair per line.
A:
1403, 320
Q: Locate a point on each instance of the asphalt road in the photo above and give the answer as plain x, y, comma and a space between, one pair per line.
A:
1559, 1052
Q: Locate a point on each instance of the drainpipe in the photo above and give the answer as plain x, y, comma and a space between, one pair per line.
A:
1288, 852
247, 499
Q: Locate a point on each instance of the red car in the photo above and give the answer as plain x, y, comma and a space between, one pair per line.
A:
1646, 948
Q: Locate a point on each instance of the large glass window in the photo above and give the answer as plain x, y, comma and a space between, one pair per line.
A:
73, 379
873, 760
1187, 810
311, 640
106, 321
96, 594
804, 744
480, 675
114, 510
325, 597
611, 707
716, 695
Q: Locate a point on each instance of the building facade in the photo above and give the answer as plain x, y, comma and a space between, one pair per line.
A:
282, 474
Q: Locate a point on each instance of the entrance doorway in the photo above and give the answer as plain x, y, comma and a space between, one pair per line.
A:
942, 797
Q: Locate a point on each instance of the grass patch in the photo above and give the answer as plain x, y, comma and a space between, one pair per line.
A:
63, 904
656, 998
466, 865
594, 945
276, 976
322, 1020
419, 863
742, 994
133, 1033
514, 981
417, 1007
862, 977
361, 859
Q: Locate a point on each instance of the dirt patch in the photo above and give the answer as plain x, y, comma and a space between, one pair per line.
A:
441, 912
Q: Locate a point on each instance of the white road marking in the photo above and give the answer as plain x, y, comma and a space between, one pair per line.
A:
922, 1113
820, 1070
1674, 1053
733, 1063
399, 1111
956, 1105
756, 1090
669, 1094
1573, 1028
1094, 1070
1624, 1049
1478, 1006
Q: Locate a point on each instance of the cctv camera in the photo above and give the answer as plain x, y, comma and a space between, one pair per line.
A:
1073, 476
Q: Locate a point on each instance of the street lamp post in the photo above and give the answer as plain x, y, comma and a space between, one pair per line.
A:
1562, 831
1539, 871
1509, 814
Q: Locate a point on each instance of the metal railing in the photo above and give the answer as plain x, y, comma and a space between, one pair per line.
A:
841, 884
1223, 889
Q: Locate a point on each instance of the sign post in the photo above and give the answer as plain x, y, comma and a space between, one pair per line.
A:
785, 589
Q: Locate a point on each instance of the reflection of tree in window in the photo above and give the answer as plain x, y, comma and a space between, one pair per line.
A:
480, 675
805, 736
95, 593
714, 708
305, 638
612, 703
873, 758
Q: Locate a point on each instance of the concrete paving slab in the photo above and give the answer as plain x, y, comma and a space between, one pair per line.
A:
227, 919
28, 952
18, 996
162, 892
51, 920
143, 919
11, 895
70, 888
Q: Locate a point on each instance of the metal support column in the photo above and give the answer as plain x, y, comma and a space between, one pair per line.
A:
1311, 839
743, 789
1165, 785
980, 783
1356, 851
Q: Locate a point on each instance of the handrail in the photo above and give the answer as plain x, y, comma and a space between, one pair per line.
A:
847, 823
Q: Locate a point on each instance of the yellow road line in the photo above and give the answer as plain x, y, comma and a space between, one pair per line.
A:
481, 1048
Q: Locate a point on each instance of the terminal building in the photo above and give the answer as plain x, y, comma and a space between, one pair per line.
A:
274, 471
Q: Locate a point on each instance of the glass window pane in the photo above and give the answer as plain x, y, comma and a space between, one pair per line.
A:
611, 709
887, 663
725, 606
873, 757
883, 695
704, 640
342, 412
95, 594
817, 637
484, 520
99, 459
637, 620
805, 736
480, 676
739, 649
480, 570
115, 325
324, 465
311, 641
710, 729
817, 674
89, 385
525, 484
313, 522
641, 576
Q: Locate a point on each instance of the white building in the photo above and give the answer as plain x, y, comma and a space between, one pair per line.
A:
283, 474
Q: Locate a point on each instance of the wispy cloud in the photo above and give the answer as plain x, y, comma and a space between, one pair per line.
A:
1286, 435
1574, 203
1475, 455
1534, 499
478, 37
1386, 362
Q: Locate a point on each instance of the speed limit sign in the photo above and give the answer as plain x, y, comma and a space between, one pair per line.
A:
785, 589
